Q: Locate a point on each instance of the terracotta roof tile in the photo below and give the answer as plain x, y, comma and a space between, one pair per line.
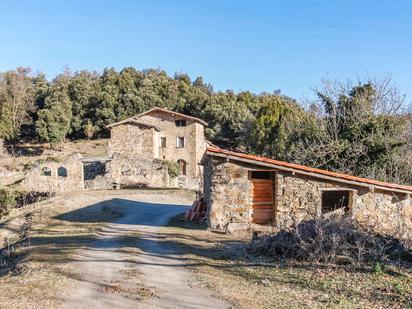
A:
297, 168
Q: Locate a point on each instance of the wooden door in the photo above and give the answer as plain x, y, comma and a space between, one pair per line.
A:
263, 208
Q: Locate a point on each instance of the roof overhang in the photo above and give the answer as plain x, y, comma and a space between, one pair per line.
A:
228, 155
173, 113
134, 122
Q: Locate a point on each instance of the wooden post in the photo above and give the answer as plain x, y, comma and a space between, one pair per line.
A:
274, 195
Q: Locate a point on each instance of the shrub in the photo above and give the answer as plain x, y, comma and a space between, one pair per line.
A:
7, 201
335, 240
172, 168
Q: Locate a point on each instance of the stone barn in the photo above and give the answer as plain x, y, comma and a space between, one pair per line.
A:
242, 189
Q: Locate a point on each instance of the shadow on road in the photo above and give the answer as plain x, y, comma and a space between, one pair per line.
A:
133, 212
129, 219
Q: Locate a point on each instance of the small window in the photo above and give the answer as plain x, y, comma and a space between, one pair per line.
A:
260, 175
62, 172
180, 142
182, 167
46, 171
180, 123
163, 142
335, 199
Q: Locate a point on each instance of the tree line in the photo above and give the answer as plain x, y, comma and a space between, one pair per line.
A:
360, 128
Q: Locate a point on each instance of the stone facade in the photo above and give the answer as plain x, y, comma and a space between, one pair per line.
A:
228, 194
127, 172
130, 172
299, 198
131, 140
56, 177
141, 139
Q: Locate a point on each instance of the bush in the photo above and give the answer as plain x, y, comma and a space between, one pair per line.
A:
172, 168
7, 201
23, 198
335, 240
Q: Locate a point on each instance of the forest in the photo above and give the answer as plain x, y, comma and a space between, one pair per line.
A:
361, 128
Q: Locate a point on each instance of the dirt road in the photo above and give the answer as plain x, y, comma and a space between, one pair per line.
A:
152, 275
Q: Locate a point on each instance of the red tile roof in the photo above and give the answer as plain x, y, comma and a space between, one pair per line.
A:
307, 169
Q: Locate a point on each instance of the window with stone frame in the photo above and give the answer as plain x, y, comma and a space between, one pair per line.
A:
163, 142
180, 142
336, 199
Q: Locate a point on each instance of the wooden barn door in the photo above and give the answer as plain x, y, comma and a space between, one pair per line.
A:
263, 207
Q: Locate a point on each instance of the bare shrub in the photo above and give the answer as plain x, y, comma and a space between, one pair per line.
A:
3, 151
333, 240
7, 200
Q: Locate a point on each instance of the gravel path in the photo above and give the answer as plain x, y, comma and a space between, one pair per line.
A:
156, 277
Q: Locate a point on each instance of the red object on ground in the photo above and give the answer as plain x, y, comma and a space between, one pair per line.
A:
197, 212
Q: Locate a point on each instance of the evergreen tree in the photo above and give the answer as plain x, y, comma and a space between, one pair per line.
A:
54, 119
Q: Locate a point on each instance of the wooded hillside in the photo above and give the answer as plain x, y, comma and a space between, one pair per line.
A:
360, 128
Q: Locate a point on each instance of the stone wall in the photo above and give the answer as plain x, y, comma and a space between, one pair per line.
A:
132, 140
45, 177
129, 172
133, 171
228, 194
385, 213
299, 198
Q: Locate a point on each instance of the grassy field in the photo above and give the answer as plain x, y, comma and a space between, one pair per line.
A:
252, 282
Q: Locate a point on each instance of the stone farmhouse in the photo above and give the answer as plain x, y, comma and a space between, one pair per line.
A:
160, 134
239, 189
139, 151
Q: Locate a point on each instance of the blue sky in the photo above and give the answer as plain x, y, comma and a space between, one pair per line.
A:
242, 45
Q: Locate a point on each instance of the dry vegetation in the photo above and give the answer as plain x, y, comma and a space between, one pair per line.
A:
39, 273
249, 281
23, 155
219, 262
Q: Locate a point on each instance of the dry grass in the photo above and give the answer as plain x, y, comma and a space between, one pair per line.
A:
223, 265
53, 242
27, 154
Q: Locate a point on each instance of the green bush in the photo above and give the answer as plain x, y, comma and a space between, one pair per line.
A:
172, 167
7, 201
